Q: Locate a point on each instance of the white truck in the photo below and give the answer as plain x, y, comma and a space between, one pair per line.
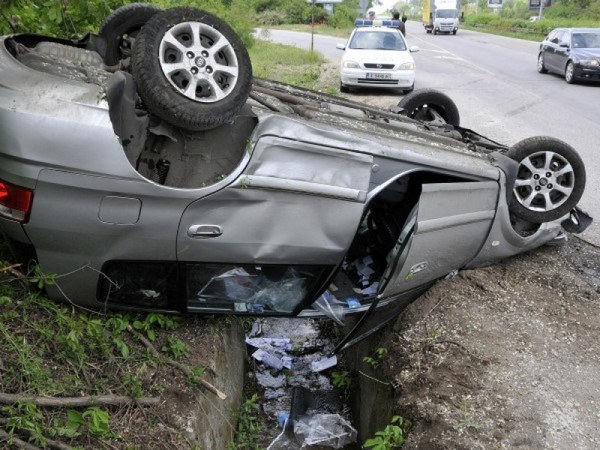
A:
440, 15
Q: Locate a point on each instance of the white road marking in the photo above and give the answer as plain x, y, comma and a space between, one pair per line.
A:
454, 56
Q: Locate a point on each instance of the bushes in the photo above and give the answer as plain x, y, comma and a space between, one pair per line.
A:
271, 18
72, 18
343, 16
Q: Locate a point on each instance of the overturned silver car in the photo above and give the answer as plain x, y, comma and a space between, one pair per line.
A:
148, 170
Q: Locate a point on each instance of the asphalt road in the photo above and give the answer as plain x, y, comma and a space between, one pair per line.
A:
494, 82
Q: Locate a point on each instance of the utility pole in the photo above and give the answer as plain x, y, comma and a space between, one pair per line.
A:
312, 27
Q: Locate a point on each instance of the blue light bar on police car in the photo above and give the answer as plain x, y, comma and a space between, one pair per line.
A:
377, 23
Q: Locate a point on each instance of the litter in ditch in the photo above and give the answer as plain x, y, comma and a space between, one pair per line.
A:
290, 356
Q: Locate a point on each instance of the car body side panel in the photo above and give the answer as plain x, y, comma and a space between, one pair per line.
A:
52, 121
295, 203
74, 227
503, 241
453, 221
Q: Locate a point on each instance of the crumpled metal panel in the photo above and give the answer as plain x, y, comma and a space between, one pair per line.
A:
387, 144
302, 167
295, 203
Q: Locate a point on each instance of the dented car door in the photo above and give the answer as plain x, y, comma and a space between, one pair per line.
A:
280, 227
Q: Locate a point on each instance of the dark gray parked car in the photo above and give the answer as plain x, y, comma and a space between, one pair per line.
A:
571, 52
216, 193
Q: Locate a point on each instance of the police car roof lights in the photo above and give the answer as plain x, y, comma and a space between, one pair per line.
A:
377, 23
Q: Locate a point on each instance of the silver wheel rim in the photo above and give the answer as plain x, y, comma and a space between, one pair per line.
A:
545, 181
569, 74
199, 62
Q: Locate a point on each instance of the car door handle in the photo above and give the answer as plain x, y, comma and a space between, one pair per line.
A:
204, 231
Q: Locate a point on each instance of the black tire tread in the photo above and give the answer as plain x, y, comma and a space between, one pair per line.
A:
443, 104
543, 69
158, 94
121, 21
572, 80
534, 144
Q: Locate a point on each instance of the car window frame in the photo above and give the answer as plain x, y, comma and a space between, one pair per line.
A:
557, 37
387, 30
565, 39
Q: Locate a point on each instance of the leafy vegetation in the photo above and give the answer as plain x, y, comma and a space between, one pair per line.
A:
73, 18
286, 63
378, 356
392, 436
50, 350
249, 428
513, 17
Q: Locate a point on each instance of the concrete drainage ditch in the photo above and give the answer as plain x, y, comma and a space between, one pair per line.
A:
289, 351
290, 365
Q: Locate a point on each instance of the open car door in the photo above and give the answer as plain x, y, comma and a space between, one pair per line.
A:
444, 231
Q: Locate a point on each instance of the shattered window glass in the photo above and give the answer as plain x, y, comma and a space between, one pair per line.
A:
249, 289
146, 284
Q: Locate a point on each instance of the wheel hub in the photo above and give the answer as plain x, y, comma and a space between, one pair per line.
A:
544, 182
200, 62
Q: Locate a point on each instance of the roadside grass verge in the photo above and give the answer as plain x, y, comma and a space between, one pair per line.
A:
323, 29
292, 65
285, 63
506, 32
75, 379
523, 29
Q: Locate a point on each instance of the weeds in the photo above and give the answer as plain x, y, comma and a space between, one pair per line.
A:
94, 420
288, 64
377, 358
341, 379
249, 429
392, 436
50, 349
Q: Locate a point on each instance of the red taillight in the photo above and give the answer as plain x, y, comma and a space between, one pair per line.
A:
15, 201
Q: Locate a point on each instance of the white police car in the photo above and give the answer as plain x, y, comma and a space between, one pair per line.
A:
377, 56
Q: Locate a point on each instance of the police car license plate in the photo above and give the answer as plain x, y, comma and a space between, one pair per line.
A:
379, 76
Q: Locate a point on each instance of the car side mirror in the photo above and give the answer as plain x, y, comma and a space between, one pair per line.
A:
414, 49
340, 47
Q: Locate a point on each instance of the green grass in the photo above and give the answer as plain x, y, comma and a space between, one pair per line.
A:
536, 37
318, 29
291, 65
53, 349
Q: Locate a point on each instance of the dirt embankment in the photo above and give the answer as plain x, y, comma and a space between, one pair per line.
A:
504, 357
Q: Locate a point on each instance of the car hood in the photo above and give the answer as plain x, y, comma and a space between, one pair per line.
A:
586, 53
377, 56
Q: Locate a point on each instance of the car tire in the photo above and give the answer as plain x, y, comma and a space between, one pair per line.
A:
429, 105
193, 96
408, 90
541, 67
435, 31
343, 88
550, 179
121, 25
454, 32
570, 73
